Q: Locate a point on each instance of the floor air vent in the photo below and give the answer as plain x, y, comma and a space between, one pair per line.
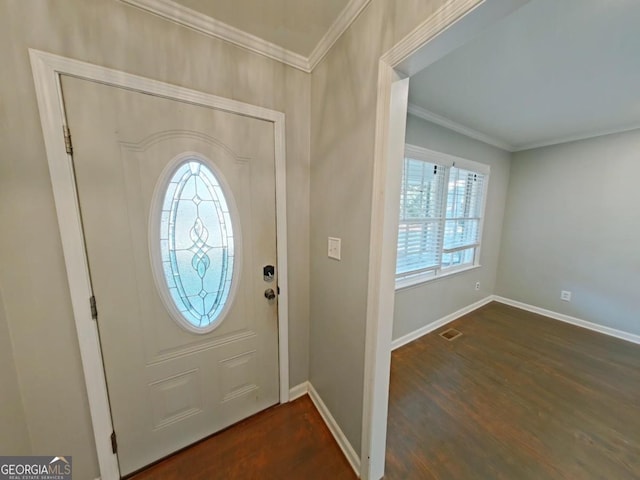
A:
450, 334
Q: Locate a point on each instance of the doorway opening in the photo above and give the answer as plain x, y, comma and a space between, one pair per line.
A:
453, 25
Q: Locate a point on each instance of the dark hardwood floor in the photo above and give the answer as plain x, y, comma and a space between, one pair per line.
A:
517, 396
287, 441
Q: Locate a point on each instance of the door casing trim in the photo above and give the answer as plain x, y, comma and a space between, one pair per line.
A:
47, 69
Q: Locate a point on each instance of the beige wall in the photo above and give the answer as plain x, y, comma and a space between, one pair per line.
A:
14, 436
32, 272
417, 306
343, 106
571, 223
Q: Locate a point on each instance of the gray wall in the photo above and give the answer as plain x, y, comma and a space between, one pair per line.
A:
14, 436
32, 272
343, 107
420, 305
572, 223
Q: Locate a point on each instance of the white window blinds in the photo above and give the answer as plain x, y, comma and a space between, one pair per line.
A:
421, 217
441, 212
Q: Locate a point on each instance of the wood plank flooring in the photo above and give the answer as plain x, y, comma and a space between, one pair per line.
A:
517, 396
287, 441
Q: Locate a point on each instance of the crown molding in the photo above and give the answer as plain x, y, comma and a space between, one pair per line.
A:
575, 138
348, 15
202, 23
456, 127
187, 17
429, 116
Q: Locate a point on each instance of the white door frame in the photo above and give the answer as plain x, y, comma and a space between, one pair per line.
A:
451, 26
47, 69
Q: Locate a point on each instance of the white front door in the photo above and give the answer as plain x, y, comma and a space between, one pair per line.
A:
178, 210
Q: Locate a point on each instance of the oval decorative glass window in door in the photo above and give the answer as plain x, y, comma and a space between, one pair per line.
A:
197, 245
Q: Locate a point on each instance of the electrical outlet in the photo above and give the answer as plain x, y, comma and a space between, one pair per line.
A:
477, 285
565, 296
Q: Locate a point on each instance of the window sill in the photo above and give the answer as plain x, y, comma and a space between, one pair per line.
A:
421, 279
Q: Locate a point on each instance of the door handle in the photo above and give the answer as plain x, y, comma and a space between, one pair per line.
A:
269, 294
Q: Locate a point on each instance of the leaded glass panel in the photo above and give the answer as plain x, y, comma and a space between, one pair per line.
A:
196, 243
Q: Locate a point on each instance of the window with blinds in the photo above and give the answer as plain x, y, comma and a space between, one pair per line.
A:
441, 213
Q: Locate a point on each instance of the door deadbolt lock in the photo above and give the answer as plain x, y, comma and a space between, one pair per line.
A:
269, 294
268, 272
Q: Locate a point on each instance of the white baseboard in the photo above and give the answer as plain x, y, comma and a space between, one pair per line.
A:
612, 332
298, 391
410, 337
343, 442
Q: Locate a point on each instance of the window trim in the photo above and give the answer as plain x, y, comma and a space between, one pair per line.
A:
443, 159
417, 280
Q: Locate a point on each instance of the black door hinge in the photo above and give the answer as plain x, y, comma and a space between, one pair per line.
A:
94, 308
114, 443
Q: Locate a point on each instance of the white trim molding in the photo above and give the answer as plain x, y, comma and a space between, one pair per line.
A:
334, 428
420, 332
298, 391
306, 388
612, 332
47, 69
181, 15
429, 116
575, 138
348, 15
441, 322
187, 17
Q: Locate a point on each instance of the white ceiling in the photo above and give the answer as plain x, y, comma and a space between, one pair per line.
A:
552, 71
295, 25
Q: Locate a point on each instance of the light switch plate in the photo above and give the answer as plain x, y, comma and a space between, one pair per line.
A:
334, 248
